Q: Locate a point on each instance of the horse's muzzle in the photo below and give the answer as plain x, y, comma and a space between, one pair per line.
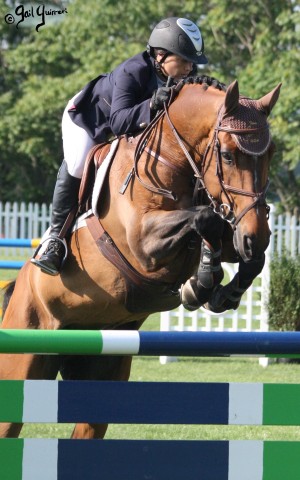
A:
250, 246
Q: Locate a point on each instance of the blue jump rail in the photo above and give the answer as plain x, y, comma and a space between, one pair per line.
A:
17, 243
11, 264
20, 242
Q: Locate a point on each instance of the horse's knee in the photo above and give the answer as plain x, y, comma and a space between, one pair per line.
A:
210, 226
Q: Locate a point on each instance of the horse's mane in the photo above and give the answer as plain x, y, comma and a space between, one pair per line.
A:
206, 82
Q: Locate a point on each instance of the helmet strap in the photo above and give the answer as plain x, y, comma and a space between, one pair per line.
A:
163, 58
159, 66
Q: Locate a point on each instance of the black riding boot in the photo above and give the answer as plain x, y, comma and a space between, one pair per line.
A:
64, 200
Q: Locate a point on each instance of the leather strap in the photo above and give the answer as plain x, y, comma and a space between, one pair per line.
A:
68, 223
111, 252
95, 227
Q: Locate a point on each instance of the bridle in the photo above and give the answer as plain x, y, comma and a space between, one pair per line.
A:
225, 210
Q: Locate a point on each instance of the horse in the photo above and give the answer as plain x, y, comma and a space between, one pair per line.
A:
181, 196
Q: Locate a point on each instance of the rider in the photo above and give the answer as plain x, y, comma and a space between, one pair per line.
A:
123, 101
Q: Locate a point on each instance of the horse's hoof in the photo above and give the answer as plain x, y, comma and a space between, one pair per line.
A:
192, 295
188, 298
214, 304
226, 297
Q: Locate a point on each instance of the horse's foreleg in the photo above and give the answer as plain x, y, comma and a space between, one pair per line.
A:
197, 290
166, 234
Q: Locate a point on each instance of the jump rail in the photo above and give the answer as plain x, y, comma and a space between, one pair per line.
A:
11, 264
17, 243
20, 242
125, 342
152, 403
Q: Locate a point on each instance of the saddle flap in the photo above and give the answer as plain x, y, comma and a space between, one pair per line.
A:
103, 161
93, 161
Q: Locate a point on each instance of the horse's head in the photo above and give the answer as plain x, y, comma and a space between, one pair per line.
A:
241, 148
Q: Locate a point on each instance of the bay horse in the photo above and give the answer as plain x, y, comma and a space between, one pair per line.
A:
186, 194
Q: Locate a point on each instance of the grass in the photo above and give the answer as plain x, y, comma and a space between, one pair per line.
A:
190, 370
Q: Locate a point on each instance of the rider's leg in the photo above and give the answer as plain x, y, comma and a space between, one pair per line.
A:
64, 200
77, 144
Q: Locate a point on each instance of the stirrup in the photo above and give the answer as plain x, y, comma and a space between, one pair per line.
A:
44, 268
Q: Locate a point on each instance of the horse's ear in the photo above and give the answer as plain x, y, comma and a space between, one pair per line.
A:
268, 101
231, 99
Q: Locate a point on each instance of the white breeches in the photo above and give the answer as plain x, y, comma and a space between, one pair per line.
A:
76, 143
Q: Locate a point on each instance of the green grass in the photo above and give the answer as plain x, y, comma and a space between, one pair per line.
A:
8, 274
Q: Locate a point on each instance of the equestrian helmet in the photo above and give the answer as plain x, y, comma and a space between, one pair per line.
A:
179, 36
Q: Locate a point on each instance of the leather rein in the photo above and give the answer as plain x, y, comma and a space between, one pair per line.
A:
225, 210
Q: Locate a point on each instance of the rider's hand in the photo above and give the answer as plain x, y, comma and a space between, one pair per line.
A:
159, 97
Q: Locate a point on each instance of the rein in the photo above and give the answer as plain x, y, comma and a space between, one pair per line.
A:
142, 146
225, 210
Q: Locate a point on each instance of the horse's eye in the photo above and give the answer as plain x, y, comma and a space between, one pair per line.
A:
228, 157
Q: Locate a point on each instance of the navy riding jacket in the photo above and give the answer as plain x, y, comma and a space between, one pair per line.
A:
118, 102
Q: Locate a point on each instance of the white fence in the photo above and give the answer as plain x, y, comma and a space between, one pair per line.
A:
20, 220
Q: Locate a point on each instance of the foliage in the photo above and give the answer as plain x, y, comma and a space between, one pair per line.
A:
254, 42
262, 50
284, 300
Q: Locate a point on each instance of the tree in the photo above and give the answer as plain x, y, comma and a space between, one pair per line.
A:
260, 45
41, 70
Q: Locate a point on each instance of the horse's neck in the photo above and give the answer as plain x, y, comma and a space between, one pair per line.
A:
195, 112
193, 118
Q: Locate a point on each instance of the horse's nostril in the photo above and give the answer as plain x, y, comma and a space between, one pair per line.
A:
248, 245
248, 242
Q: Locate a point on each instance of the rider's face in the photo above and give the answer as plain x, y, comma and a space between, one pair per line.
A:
175, 66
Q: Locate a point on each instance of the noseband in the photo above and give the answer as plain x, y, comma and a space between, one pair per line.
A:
225, 210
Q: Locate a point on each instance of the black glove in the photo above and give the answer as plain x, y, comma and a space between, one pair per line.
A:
159, 97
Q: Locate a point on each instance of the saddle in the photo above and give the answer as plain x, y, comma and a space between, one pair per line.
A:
93, 162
